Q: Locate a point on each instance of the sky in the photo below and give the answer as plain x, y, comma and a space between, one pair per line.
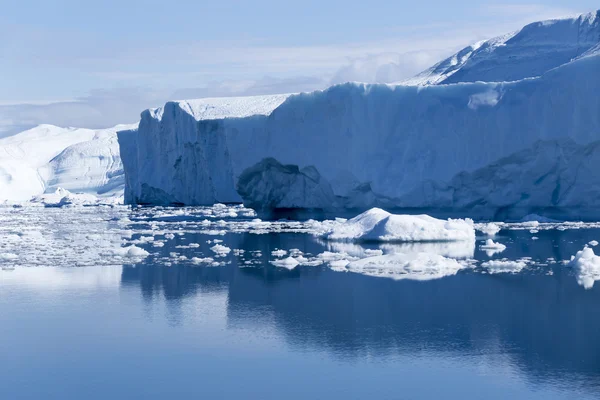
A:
98, 63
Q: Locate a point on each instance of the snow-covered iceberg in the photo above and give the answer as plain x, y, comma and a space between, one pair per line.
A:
371, 145
46, 158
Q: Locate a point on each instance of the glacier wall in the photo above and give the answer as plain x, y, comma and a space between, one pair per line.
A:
390, 139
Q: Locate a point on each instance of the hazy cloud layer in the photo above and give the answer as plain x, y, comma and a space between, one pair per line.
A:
149, 74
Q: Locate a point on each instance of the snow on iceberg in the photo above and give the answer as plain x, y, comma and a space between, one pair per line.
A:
587, 267
387, 140
413, 266
377, 225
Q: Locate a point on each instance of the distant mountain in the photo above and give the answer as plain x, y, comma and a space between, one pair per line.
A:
44, 158
529, 52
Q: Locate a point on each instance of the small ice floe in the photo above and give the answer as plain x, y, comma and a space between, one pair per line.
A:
492, 247
220, 250
289, 263
412, 266
489, 229
377, 225
593, 243
504, 266
587, 267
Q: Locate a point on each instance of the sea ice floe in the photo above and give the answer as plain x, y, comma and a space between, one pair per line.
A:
289, 263
504, 266
220, 250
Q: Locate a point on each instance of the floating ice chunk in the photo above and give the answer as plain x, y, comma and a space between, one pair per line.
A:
220, 250
587, 267
279, 253
490, 229
504, 266
339, 265
132, 251
377, 225
415, 266
198, 261
492, 247
593, 243
289, 263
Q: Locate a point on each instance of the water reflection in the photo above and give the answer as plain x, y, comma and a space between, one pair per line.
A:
546, 326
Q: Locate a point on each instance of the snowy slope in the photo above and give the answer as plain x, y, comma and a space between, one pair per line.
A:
377, 141
46, 157
530, 52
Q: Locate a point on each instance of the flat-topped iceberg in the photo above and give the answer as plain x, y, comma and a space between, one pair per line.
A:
369, 145
377, 225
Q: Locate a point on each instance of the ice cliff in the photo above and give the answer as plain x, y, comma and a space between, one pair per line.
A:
362, 146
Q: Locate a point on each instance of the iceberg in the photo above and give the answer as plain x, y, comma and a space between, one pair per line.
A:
47, 158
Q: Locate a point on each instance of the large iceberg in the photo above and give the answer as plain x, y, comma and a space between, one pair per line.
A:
369, 145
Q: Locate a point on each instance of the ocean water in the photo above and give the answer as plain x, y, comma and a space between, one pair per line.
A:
81, 319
